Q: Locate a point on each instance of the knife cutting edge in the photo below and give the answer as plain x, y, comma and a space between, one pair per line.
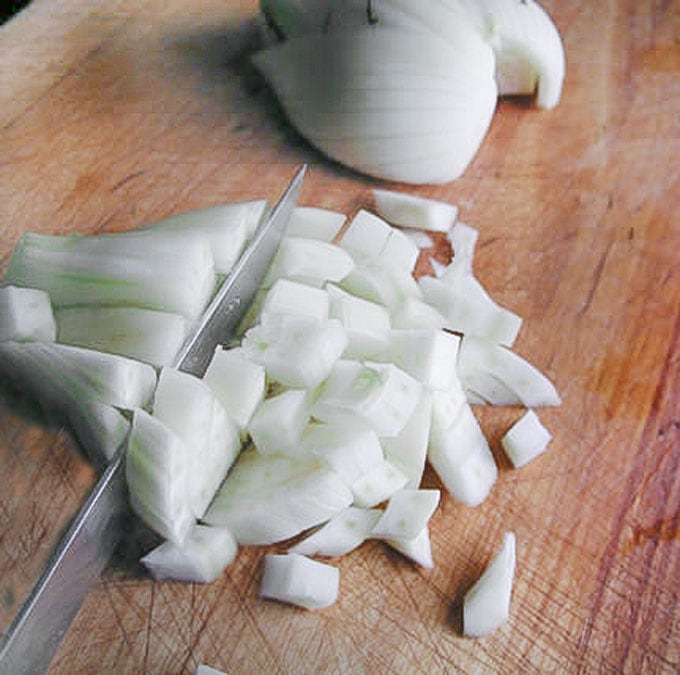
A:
37, 630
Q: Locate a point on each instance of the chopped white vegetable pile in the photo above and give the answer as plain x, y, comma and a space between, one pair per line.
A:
314, 431
406, 90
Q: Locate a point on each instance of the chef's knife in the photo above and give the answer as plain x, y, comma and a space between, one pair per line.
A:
32, 639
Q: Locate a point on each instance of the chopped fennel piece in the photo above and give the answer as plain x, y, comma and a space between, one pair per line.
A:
63, 376
408, 210
227, 227
203, 555
26, 314
378, 484
400, 251
382, 395
315, 223
526, 439
298, 580
157, 470
143, 334
375, 280
187, 405
482, 363
204, 669
141, 269
366, 323
486, 605
292, 297
100, 429
463, 239
270, 498
343, 533
277, 424
408, 449
418, 549
428, 355
303, 259
367, 235
461, 457
420, 239
296, 351
350, 450
469, 309
237, 382
407, 513
414, 312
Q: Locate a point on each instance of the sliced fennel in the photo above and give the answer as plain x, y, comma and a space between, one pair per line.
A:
139, 269
418, 549
312, 222
187, 405
486, 606
299, 580
227, 227
526, 439
63, 376
26, 314
203, 555
341, 534
158, 475
502, 377
408, 210
237, 382
269, 498
407, 513
143, 334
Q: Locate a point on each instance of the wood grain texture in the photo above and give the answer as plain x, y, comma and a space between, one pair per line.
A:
115, 114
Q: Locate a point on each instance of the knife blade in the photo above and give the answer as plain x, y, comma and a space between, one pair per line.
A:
38, 628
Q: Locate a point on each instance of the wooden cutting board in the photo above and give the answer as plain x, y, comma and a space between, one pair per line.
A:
117, 113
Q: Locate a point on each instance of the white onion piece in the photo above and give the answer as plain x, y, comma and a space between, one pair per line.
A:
376, 100
486, 606
26, 314
203, 555
526, 439
298, 580
367, 235
414, 312
203, 669
340, 535
528, 47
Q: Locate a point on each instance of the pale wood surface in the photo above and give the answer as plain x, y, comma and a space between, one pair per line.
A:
117, 113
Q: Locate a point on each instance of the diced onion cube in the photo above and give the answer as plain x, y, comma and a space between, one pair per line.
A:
26, 314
